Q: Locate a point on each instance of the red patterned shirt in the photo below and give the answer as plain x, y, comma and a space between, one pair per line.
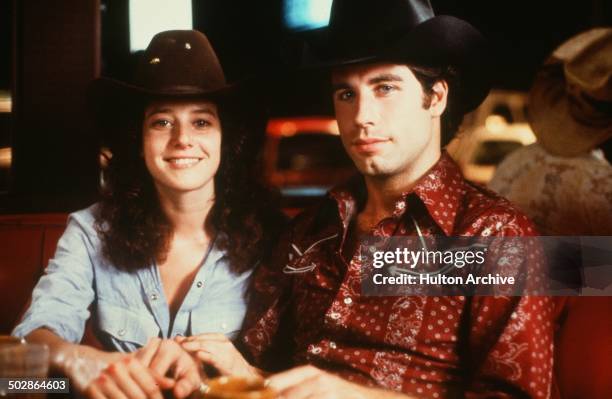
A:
429, 347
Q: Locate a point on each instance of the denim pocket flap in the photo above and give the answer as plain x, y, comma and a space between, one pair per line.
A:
126, 325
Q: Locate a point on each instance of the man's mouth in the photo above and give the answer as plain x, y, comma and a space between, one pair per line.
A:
182, 162
369, 145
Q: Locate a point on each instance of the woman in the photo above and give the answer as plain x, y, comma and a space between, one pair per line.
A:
182, 221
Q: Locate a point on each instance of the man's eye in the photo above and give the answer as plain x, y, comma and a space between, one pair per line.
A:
384, 89
161, 123
346, 95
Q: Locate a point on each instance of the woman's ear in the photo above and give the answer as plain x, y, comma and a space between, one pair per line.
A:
438, 98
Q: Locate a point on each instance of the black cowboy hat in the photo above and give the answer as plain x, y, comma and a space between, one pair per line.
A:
365, 31
176, 64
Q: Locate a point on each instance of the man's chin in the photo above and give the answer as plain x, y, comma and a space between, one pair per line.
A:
372, 168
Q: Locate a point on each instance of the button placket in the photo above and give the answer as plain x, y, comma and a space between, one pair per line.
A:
152, 293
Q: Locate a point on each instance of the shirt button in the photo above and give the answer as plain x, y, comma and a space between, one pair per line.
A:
348, 300
199, 284
153, 296
332, 345
121, 332
335, 315
224, 326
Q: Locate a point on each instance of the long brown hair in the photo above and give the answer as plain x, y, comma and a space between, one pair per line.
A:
135, 231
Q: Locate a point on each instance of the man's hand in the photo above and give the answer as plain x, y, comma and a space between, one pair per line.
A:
313, 383
218, 351
144, 374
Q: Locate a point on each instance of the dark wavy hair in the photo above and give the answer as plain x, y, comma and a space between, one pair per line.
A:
135, 231
451, 118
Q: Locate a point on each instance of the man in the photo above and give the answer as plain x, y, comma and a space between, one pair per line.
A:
401, 80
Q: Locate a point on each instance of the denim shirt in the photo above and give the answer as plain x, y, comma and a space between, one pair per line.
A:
127, 308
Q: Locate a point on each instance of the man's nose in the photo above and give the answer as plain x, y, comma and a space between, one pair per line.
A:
364, 110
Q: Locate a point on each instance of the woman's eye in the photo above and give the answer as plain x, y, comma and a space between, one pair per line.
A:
202, 123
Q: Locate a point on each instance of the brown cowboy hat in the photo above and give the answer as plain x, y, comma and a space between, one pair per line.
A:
366, 31
570, 103
176, 64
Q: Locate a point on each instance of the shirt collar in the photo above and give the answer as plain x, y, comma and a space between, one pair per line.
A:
440, 189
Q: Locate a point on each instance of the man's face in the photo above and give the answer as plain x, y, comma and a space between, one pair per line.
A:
384, 127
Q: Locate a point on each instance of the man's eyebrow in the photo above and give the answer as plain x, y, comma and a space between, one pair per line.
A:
340, 86
385, 77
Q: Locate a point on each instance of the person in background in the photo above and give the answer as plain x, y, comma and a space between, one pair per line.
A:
563, 182
401, 80
169, 249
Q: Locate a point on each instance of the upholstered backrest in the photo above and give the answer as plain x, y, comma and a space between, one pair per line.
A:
26, 244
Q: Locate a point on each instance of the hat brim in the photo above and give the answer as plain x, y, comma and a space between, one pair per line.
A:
113, 102
439, 41
552, 121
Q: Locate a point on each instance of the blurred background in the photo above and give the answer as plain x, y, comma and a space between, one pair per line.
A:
50, 156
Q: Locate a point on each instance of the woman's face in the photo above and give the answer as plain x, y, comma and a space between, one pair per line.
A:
181, 143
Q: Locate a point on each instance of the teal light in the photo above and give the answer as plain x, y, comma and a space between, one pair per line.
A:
306, 14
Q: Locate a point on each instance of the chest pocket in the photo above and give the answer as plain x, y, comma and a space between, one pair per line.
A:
126, 325
226, 320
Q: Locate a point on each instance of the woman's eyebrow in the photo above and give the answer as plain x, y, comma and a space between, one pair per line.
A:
205, 110
199, 110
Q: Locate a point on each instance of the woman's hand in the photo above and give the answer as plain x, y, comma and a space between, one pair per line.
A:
128, 378
144, 374
82, 364
218, 351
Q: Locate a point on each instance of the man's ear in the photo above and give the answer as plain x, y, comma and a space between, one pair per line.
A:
438, 98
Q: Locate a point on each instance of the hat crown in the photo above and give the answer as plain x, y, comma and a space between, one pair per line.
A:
570, 101
179, 61
347, 15
589, 68
359, 28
